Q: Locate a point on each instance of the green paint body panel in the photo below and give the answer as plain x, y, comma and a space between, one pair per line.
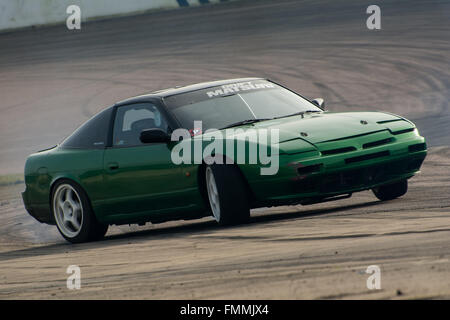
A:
339, 155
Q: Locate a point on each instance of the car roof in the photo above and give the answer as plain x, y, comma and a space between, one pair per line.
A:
182, 89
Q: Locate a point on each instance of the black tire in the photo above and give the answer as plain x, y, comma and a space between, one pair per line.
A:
232, 194
90, 229
391, 191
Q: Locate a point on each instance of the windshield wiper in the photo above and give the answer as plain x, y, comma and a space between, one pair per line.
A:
301, 113
249, 121
240, 123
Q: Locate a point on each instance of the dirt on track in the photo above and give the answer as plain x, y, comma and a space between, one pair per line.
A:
319, 251
51, 79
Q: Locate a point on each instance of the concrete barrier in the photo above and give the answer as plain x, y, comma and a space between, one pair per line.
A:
24, 13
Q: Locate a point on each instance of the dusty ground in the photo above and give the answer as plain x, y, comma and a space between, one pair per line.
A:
52, 79
320, 251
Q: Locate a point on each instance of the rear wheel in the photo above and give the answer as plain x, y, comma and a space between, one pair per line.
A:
73, 214
391, 191
227, 194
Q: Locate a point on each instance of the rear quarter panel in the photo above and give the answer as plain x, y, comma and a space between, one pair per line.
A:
43, 169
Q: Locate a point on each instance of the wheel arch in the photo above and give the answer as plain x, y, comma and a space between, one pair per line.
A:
72, 179
201, 172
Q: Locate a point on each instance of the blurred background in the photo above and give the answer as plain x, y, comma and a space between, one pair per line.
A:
52, 78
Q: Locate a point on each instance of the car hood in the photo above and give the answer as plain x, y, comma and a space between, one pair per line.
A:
327, 126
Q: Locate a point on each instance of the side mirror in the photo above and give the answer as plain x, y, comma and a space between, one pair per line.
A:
154, 135
319, 102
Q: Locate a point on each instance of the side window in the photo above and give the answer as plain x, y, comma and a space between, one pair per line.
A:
93, 134
132, 119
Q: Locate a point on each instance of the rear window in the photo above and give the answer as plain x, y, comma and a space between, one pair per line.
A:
93, 134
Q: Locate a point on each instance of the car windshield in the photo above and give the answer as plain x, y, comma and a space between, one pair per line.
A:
223, 106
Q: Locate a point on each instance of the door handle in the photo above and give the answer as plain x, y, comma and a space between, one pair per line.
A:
113, 166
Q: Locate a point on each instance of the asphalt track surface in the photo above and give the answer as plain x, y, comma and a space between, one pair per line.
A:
52, 79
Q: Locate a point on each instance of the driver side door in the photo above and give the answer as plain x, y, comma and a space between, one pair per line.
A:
140, 178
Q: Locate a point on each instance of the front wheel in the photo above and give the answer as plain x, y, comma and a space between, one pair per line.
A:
391, 191
227, 194
73, 214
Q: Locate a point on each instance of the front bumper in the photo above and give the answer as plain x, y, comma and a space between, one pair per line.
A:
358, 164
358, 178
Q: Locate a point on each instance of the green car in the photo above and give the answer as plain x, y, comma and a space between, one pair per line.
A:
157, 157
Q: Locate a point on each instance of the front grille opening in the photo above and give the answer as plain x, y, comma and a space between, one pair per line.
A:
306, 186
337, 151
309, 169
367, 157
403, 131
355, 178
339, 182
417, 147
377, 143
